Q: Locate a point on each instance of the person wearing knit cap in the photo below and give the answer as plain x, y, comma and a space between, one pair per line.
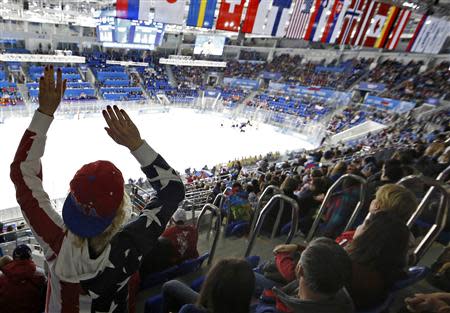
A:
22, 283
91, 251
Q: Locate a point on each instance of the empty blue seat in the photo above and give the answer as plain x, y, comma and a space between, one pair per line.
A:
190, 266
153, 304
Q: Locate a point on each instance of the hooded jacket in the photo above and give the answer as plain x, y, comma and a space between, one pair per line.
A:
22, 287
77, 282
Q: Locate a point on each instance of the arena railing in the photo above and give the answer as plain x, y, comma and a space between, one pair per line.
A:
215, 211
330, 193
442, 177
262, 215
441, 214
271, 188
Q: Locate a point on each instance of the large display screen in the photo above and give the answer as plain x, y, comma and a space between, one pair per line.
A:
121, 33
209, 45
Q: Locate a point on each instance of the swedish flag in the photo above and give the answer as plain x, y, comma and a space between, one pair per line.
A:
201, 13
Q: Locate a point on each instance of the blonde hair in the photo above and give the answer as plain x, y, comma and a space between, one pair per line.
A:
396, 200
98, 243
434, 149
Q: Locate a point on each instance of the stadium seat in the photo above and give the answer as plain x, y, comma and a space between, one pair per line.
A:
191, 308
414, 275
153, 304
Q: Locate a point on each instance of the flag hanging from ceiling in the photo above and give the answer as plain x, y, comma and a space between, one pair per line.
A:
133, 9
398, 29
372, 24
349, 18
417, 30
430, 35
267, 17
387, 27
230, 15
321, 20
314, 19
170, 11
303, 10
201, 13
256, 14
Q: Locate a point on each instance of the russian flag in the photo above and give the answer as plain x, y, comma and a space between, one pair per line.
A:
133, 9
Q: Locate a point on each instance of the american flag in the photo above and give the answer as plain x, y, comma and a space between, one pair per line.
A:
300, 19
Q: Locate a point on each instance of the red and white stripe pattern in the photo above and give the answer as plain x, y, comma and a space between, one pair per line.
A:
300, 17
369, 12
399, 27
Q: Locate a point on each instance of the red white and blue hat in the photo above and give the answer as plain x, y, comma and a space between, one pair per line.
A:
96, 192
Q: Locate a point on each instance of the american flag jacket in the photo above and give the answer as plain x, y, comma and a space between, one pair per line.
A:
78, 283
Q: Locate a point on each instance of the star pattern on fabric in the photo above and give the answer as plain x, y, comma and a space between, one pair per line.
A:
93, 295
109, 264
164, 176
111, 308
127, 252
123, 284
151, 216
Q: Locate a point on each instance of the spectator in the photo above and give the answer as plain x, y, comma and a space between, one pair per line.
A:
183, 237
22, 284
288, 187
323, 271
10, 235
89, 250
394, 199
379, 257
228, 288
240, 207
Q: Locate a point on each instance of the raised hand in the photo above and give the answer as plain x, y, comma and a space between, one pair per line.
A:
50, 95
121, 128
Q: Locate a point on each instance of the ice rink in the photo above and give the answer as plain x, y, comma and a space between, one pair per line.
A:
183, 137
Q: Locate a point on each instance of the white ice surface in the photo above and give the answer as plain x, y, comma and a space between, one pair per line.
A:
183, 137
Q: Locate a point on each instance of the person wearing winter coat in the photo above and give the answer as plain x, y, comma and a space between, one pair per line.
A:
22, 283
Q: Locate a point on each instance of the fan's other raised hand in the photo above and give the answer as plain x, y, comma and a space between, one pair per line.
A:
121, 128
51, 93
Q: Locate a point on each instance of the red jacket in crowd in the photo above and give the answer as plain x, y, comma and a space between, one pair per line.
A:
286, 263
22, 287
184, 240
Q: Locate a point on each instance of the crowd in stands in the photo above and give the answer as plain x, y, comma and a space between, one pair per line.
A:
392, 72
338, 272
240, 69
434, 83
353, 115
155, 79
301, 105
189, 77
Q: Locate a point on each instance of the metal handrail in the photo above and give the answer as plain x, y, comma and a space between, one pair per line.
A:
441, 216
186, 203
214, 211
328, 195
258, 208
422, 205
434, 184
262, 215
143, 190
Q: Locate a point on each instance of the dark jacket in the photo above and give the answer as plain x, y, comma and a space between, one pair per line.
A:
341, 303
22, 287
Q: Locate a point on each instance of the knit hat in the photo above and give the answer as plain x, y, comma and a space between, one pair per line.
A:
96, 192
22, 252
179, 216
